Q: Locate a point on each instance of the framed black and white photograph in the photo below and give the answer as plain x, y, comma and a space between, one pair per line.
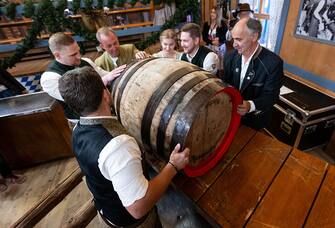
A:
316, 20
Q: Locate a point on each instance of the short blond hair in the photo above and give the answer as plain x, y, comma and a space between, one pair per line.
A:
59, 40
168, 34
106, 31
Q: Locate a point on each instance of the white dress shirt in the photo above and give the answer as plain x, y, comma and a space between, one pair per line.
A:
244, 67
49, 80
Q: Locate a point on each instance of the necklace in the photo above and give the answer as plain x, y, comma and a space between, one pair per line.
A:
211, 31
169, 55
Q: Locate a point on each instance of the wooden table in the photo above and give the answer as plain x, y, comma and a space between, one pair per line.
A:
261, 182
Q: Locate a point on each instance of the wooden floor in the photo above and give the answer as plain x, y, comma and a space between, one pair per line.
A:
260, 182
41, 181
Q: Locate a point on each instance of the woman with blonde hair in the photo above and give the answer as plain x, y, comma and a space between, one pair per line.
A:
214, 35
214, 31
168, 40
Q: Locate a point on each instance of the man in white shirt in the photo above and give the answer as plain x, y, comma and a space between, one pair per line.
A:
194, 52
67, 57
112, 164
255, 71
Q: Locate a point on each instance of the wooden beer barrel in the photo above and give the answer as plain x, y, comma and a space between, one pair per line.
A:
162, 102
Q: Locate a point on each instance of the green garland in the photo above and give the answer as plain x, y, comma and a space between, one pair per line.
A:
11, 10
26, 44
133, 2
75, 6
110, 4
50, 18
145, 2
88, 4
29, 8
100, 4
120, 3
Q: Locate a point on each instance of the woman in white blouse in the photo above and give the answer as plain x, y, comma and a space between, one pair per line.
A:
168, 42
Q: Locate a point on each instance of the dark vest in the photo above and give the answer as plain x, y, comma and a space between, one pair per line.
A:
61, 69
88, 142
199, 58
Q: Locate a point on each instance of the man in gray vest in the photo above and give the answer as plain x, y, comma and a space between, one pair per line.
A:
67, 57
123, 196
194, 52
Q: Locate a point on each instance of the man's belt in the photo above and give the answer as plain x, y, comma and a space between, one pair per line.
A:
139, 222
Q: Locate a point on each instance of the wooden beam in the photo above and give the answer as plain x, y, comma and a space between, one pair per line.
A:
45, 205
83, 216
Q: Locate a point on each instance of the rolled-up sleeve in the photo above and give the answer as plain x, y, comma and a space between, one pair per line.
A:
120, 162
49, 83
211, 63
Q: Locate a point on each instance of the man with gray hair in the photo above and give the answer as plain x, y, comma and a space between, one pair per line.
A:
67, 57
115, 54
255, 71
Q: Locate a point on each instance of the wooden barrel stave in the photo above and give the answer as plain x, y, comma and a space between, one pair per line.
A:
192, 122
207, 129
178, 115
167, 107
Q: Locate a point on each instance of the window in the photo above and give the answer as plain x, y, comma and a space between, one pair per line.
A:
268, 12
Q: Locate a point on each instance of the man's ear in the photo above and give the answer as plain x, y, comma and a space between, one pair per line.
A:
255, 37
197, 40
107, 96
56, 54
106, 93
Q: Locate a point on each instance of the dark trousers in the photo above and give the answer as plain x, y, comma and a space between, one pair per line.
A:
5, 170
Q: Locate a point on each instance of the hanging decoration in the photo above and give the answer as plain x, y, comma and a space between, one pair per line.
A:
50, 18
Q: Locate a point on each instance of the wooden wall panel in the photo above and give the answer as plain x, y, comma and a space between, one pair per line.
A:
206, 6
314, 57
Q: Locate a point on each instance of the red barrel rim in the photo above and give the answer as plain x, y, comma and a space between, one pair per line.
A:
215, 157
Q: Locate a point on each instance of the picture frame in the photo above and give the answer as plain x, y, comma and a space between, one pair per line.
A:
316, 21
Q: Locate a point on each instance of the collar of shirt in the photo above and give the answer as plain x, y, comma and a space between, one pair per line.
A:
97, 117
94, 120
249, 59
245, 65
189, 57
2, 88
114, 59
